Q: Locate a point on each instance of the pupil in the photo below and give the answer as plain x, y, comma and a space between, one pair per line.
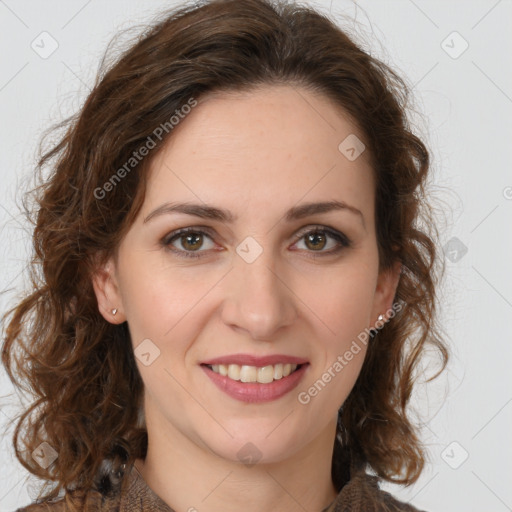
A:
315, 238
192, 242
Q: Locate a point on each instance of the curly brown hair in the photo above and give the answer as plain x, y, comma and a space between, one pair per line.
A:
80, 368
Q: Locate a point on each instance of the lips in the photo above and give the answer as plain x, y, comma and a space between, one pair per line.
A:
255, 392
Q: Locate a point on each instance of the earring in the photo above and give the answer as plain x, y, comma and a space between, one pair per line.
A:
379, 319
114, 311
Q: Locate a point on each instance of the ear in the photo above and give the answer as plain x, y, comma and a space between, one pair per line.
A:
387, 283
106, 288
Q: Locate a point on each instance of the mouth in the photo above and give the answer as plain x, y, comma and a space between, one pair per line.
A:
256, 384
262, 374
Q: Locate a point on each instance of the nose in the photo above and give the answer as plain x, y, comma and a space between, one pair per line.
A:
258, 299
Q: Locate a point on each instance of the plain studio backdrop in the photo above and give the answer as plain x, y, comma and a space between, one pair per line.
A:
453, 55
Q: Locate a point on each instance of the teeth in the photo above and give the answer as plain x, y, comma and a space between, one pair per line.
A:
278, 371
248, 373
264, 374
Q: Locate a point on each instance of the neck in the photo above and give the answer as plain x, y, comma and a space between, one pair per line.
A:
189, 477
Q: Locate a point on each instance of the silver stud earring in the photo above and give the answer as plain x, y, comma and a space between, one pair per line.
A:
379, 319
114, 311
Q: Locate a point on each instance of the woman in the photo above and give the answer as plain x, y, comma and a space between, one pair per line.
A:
235, 291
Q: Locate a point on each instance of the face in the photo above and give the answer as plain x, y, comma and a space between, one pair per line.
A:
256, 240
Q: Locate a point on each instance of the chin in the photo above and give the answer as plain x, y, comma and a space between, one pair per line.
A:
260, 448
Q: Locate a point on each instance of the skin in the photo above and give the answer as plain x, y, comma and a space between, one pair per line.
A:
256, 154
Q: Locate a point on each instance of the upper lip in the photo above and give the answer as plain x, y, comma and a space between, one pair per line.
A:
260, 361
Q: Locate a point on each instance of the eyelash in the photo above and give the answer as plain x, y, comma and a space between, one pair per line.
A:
343, 241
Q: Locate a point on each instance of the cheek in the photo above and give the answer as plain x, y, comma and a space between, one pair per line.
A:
341, 299
171, 308
167, 309
161, 302
340, 311
158, 310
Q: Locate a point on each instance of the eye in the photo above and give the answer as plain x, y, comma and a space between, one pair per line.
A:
322, 240
194, 242
187, 241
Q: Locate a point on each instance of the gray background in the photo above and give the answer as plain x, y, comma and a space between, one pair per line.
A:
463, 101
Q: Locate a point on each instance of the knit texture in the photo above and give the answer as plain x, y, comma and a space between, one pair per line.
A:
360, 494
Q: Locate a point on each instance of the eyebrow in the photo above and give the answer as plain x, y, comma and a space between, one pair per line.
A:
213, 213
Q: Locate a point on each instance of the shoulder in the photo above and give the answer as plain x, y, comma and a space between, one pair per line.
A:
58, 506
362, 493
93, 502
114, 499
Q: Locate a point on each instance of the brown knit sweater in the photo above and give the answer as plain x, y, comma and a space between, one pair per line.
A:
360, 494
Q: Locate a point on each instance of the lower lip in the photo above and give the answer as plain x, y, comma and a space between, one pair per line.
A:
256, 392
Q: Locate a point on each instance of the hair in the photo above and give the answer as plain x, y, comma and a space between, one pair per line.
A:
80, 369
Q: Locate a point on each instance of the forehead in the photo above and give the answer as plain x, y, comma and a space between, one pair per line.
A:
270, 146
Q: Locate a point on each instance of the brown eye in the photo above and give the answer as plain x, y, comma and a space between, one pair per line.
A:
191, 242
322, 241
316, 241
188, 242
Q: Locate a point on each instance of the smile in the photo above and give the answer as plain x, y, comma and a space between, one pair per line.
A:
246, 373
255, 384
